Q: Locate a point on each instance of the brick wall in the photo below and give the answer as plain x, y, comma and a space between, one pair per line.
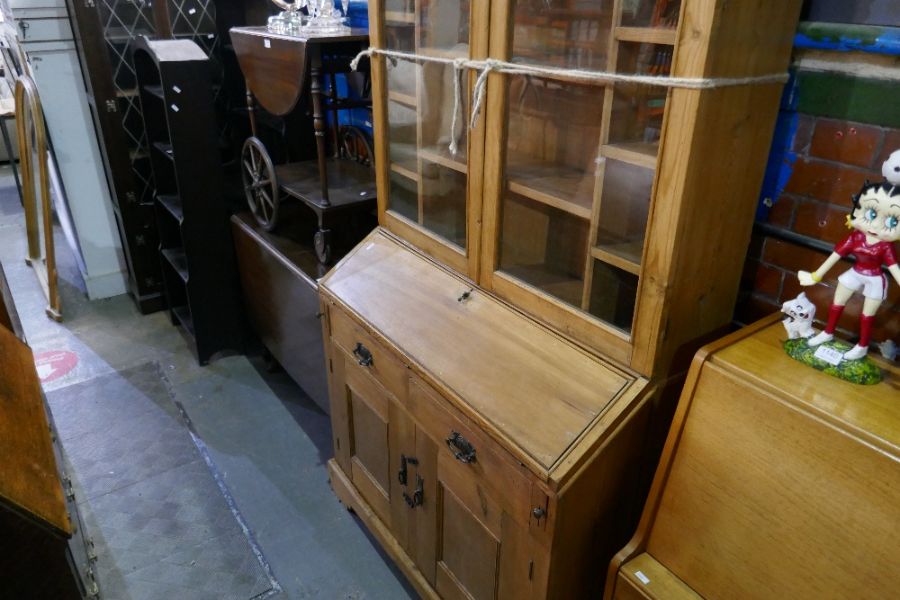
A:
833, 159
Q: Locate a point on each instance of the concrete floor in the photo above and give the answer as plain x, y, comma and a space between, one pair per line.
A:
268, 439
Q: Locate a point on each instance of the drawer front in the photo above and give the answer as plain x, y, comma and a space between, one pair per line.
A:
471, 454
367, 354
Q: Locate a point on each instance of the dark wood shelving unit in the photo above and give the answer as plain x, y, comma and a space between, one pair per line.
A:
195, 249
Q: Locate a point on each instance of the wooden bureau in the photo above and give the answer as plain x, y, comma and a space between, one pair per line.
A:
777, 481
488, 455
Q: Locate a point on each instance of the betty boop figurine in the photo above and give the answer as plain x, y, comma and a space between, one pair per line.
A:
875, 219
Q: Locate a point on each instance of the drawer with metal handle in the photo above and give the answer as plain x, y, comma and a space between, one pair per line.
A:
367, 353
474, 456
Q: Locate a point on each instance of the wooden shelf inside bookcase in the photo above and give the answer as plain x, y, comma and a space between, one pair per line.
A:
404, 172
646, 35
553, 185
407, 100
567, 288
443, 53
623, 255
397, 16
441, 156
639, 154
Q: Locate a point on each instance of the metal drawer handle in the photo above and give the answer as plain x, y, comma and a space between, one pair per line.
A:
462, 449
362, 354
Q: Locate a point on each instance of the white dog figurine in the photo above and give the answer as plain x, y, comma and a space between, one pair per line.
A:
800, 314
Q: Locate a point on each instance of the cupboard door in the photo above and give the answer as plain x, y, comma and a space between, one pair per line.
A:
360, 418
429, 190
570, 167
469, 539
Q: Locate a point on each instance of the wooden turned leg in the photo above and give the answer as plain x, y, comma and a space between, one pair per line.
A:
319, 126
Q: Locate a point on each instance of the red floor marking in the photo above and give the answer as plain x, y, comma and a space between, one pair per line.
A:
53, 364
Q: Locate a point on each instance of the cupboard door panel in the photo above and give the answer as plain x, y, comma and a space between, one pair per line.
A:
469, 552
369, 450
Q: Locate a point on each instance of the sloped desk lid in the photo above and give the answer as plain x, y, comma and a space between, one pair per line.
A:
869, 411
540, 393
29, 480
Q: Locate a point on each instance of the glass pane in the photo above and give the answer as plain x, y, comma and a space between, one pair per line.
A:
551, 168
444, 26
554, 133
443, 202
624, 206
613, 293
544, 247
405, 196
637, 116
650, 13
402, 130
428, 181
571, 34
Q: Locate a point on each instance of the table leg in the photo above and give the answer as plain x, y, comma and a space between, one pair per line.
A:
251, 112
315, 73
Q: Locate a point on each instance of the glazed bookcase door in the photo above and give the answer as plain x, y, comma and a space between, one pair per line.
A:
428, 194
572, 165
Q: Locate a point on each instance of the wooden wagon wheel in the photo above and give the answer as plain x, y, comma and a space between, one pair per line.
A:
260, 184
355, 145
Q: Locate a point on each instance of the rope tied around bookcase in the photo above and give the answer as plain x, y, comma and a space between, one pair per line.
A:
484, 67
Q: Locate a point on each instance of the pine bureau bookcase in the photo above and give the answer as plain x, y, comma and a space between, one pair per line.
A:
504, 351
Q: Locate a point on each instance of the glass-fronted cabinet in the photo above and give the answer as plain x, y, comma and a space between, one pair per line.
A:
584, 203
573, 185
430, 192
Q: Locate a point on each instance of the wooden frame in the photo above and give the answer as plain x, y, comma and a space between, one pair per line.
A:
32, 136
465, 260
677, 276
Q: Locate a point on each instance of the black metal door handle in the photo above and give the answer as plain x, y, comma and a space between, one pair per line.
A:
363, 356
402, 475
462, 449
418, 496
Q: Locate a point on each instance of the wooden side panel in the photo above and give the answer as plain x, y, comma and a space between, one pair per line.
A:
598, 512
711, 164
783, 505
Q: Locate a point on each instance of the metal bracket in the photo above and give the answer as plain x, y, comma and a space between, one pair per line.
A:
111, 106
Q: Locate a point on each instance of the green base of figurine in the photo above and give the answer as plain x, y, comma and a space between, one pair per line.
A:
862, 371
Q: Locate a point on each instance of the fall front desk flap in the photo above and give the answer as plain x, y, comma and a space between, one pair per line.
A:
29, 480
546, 400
